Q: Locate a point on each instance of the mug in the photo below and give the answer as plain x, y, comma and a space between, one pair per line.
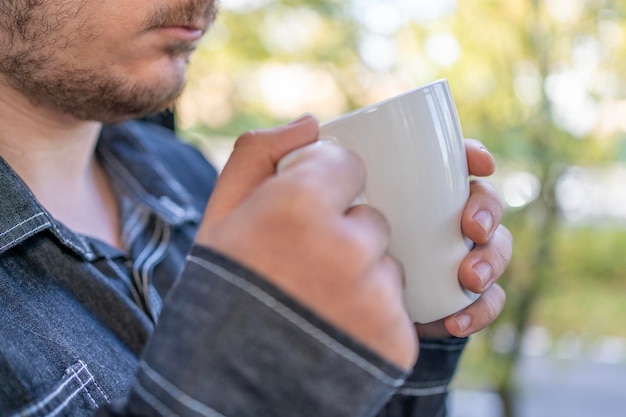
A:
417, 177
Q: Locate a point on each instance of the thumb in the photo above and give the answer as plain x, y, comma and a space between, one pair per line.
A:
253, 160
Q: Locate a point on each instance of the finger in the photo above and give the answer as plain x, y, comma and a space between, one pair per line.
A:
370, 230
478, 315
395, 271
385, 286
479, 161
329, 174
482, 213
486, 263
253, 160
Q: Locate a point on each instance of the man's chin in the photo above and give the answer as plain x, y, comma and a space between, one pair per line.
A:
116, 108
112, 118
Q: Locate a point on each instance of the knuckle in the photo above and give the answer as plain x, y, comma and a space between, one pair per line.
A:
372, 216
306, 193
395, 272
494, 302
380, 219
501, 258
508, 236
388, 287
246, 139
485, 187
357, 162
357, 165
368, 244
301, 187
344, 161
289, 203
503, 252
356, 248
295, 206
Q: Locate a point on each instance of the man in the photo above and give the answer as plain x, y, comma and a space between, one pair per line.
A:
118, 296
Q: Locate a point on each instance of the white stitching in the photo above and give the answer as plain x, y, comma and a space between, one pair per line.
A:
158, 406
298, 321
21, 223
441, 346
100, 390
422, 392
95, 383
177, 394
35, 230
82, 249
67, 401
89, 379
428, 384
40, 404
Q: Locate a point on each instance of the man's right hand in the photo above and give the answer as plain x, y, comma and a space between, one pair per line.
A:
298, 230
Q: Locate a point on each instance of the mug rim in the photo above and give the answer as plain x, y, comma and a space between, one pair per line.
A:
369, 107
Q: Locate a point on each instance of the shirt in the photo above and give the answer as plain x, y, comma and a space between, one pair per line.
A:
166, 328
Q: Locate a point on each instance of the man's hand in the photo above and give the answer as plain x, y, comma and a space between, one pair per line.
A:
485, 263
298, 230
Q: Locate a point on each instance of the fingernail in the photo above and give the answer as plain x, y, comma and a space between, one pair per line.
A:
483, 271
464, 321
485, 219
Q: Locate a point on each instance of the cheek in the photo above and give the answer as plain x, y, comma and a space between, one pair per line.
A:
107, 26
95, 42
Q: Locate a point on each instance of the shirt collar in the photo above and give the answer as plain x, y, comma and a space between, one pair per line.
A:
22, 216
134, 173
126, 151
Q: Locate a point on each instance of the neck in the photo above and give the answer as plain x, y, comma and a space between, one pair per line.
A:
53, 153
42, 144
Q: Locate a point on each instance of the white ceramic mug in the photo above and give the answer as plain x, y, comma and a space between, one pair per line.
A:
417, 177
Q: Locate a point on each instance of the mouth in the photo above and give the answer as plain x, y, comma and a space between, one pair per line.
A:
189, 19
186, 32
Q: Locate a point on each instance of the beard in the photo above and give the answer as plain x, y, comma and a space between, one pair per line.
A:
90, 95
29, 63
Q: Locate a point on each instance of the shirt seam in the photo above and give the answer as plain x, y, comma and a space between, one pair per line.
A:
21, 223
23, 235
50, 397
141, 194
177, 394
154, 402
298, 321
442, 346
423, 392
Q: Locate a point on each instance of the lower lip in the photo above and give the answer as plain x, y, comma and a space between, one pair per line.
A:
182, 33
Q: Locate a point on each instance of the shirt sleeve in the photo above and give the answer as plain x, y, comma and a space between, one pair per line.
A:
230, 344
425, 392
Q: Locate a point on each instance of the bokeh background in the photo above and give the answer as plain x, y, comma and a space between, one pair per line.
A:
543, 84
